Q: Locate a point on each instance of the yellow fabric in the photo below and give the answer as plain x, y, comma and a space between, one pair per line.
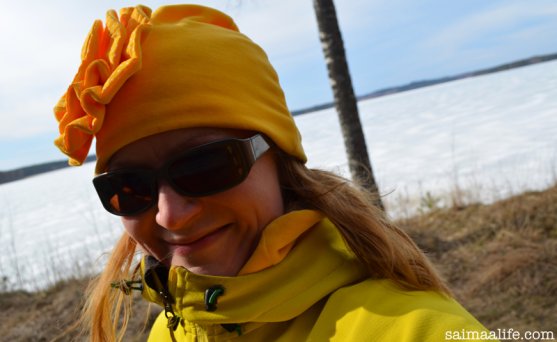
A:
110, 55
318, 292
278, 238
183, 66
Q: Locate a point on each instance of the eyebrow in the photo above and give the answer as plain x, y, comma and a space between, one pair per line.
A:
188, 143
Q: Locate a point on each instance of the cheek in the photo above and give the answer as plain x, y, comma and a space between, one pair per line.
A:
258, 199
270, 198
130, 225
138, 229
265, 187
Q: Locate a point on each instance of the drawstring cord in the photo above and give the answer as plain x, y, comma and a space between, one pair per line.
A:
127, 286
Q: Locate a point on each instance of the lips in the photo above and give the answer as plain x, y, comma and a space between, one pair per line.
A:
197, 243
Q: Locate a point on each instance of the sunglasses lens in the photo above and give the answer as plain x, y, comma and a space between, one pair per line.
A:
125, 193
208, 170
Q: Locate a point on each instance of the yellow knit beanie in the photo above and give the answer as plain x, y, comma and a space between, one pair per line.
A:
183, 66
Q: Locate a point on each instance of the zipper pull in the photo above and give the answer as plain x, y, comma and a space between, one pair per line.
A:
156, 277
173, 319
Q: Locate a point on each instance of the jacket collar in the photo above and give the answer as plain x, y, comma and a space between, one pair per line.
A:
318, 264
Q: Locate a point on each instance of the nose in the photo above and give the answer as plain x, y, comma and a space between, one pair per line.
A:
174, 210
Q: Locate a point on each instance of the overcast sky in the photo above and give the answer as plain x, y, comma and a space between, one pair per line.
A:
388, 42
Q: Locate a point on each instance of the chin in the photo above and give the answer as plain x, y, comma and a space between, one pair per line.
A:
208, 269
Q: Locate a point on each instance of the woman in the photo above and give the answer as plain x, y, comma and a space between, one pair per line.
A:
199, 155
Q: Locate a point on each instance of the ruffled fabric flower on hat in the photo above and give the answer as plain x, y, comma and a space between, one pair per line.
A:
110, 56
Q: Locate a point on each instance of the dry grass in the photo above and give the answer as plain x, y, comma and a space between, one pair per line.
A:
42, 316
500, 260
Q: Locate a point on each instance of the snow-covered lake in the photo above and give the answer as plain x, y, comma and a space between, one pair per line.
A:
489, 136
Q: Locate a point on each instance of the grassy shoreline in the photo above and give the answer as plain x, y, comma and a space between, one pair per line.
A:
499, 259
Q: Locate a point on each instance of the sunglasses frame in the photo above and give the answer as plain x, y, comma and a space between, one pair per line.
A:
250, 150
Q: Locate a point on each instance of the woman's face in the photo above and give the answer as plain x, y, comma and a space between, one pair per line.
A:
213, 235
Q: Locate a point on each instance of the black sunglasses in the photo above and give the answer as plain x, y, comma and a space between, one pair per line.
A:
201, 171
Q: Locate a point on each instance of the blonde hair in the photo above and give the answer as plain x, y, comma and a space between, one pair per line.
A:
384, 249
106, 312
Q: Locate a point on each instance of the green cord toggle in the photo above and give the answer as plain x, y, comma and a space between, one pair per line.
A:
211, 296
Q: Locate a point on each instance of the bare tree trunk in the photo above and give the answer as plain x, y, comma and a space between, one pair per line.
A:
345, 100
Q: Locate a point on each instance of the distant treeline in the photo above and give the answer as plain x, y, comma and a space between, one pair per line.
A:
17, 174
426, 83
13, 175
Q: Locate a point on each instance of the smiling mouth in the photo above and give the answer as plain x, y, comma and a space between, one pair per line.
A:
200, 243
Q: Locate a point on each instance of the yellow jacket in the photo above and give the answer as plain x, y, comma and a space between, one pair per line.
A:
316, 291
